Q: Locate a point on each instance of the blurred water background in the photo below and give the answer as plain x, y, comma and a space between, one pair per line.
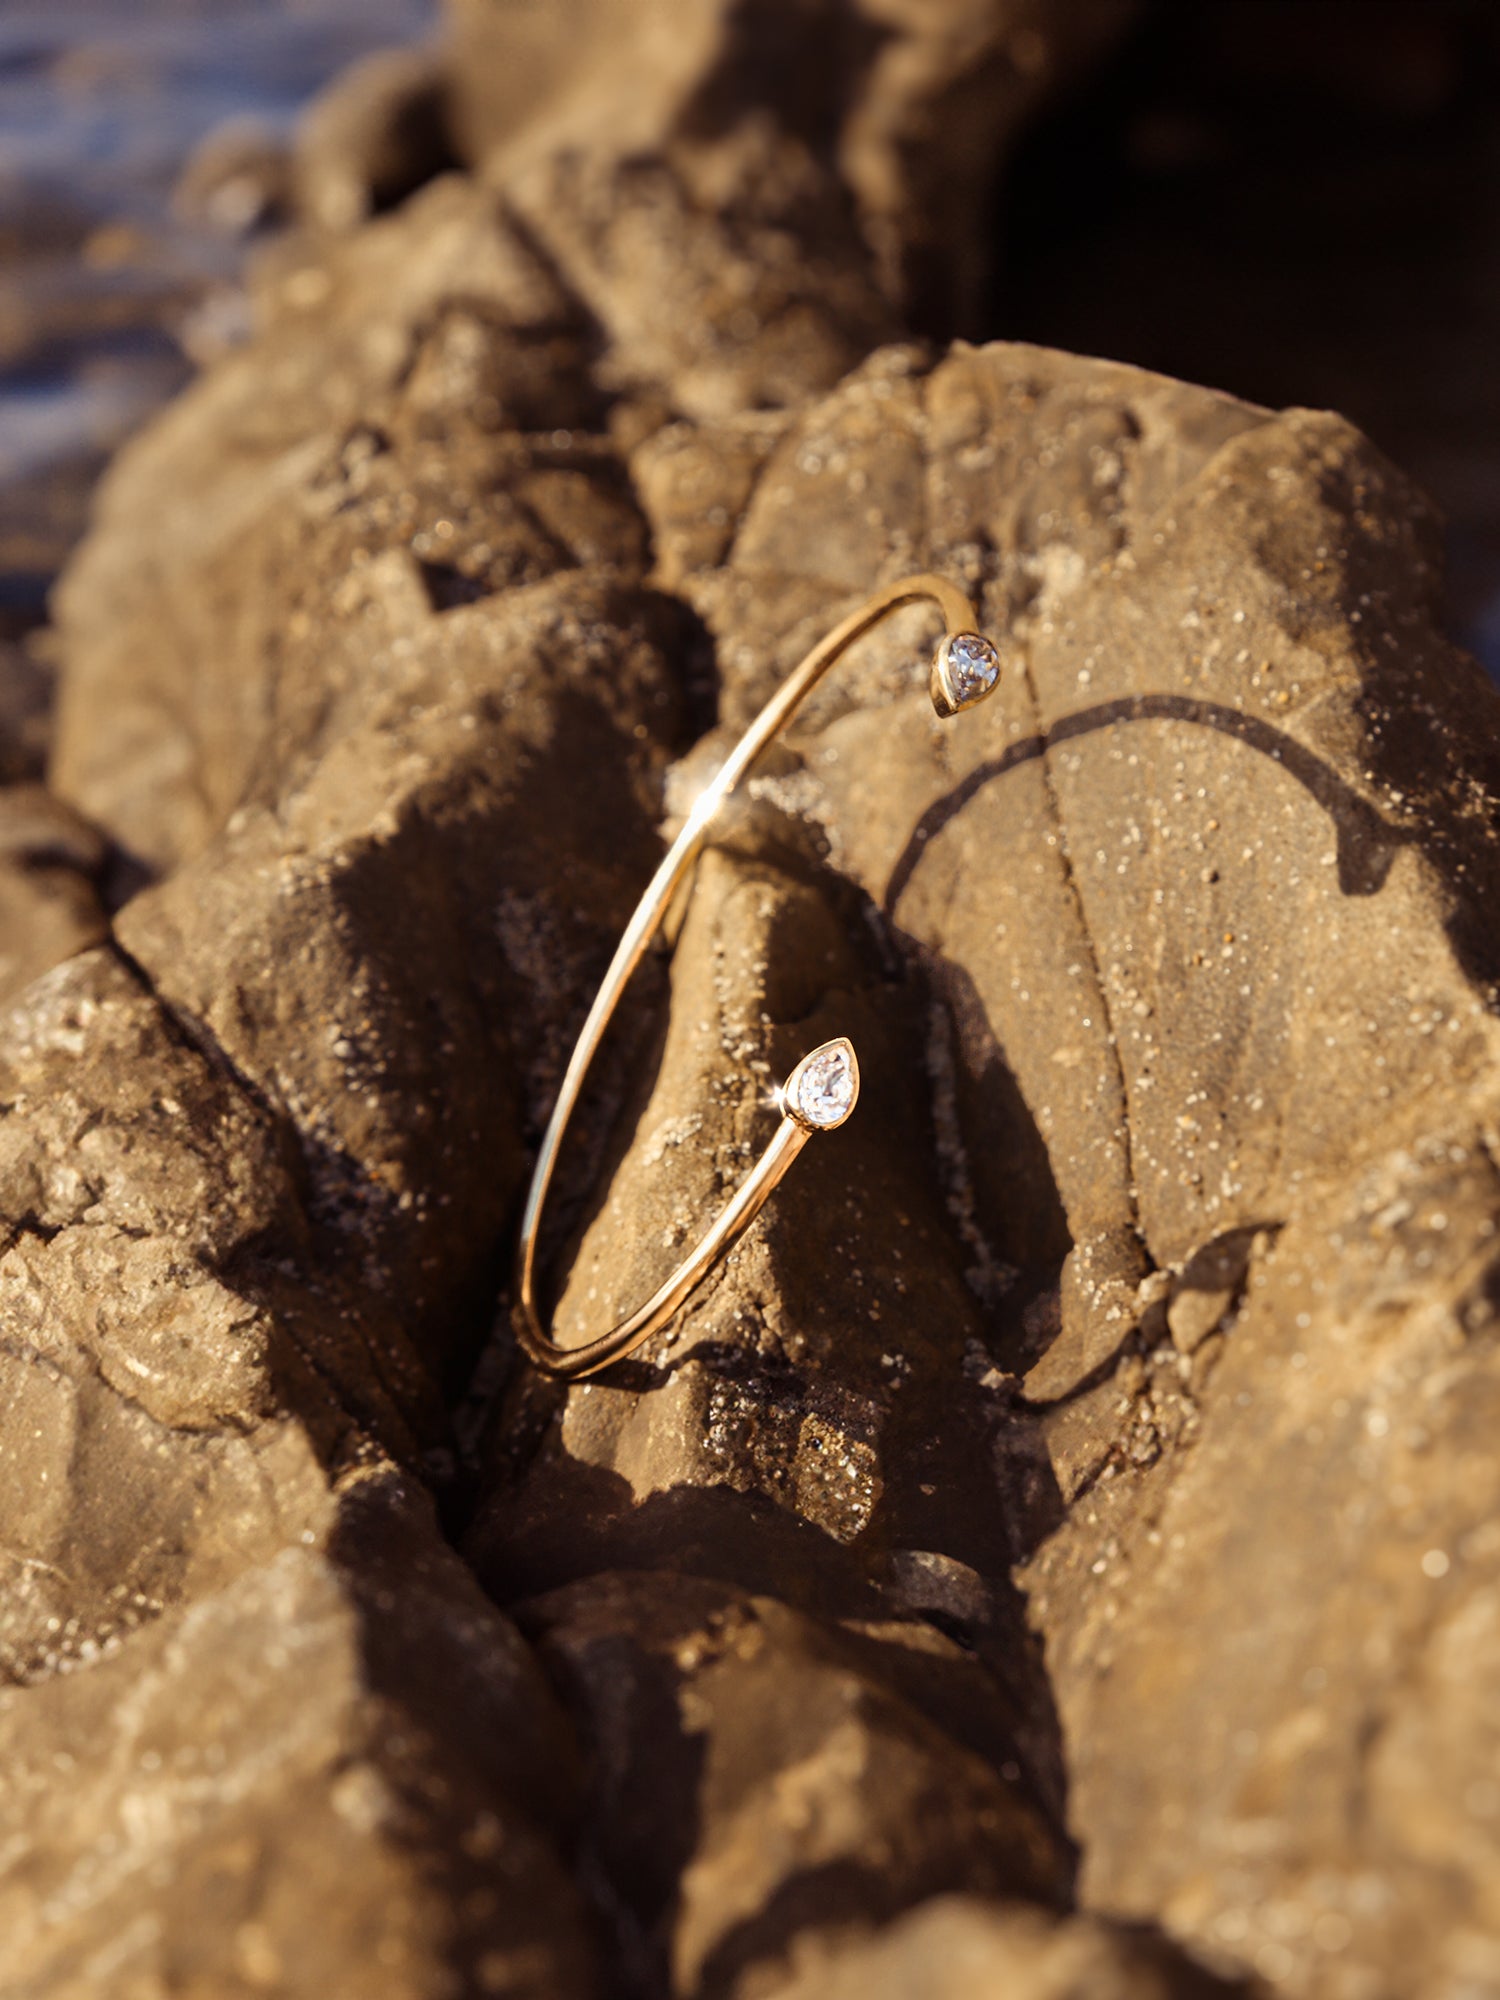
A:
107, 284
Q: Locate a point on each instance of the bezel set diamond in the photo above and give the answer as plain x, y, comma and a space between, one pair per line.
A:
823, 1089
965, 672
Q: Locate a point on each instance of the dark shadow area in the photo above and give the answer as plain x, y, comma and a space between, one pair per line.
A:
840, 1892
626, 1067
1297, 201
1018, 1211
660, 1669
584, 1520
484, 1772
1220, 1264
963, 1502
1413, 759
965, 1490
644, 1773
1367, 842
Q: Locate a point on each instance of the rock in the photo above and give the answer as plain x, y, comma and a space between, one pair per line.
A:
51, 862
811, 1419
236, 1259
156, 734
372, 138
972, 1950
1203, 893
694, 207
1376, 132
210, 1706
235, 1803
907, 110
1172, 976
765, 1780
363, 948
1204, 1294
236, 180
622, 256
1347, 1591
474, 346
257, 1161
724, 270
358, 948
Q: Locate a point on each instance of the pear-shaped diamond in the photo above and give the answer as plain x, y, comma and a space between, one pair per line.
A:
826, 1085
973, 666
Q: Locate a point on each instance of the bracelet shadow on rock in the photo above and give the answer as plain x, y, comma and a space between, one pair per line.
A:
823, 1088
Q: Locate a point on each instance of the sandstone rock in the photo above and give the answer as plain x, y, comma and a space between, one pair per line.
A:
259, 1151
262, 1147
227, 1763
764, 1779
814, 1424
236, 1803
51, 862
236, 180
1204, 894
362, 945
372, 138
159, 722
970, 1950
625, 249
906, 109
1158, 1257
693, 208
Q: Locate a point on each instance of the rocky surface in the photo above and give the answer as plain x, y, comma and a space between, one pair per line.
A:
1199, 902
51, 862
1052, 1554
228, 1763
1206, 886
907, 109
767, 1780
957, 1946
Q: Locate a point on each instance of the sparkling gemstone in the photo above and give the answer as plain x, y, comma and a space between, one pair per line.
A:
973, 665
826, 1087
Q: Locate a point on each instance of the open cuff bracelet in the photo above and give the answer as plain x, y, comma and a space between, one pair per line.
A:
821, 1091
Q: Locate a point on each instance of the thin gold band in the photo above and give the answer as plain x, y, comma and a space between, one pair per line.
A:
964, 671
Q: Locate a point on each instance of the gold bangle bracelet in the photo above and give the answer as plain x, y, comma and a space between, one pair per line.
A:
821, 1091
